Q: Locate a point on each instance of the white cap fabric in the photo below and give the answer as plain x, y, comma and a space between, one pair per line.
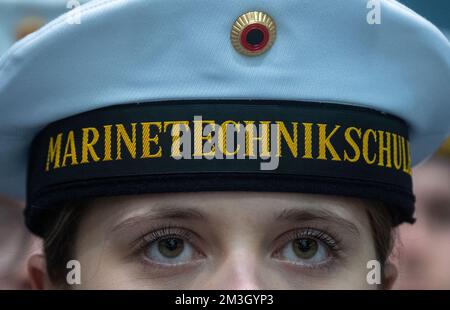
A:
126, 51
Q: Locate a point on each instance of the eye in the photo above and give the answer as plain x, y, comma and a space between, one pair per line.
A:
305, 251
307, 248
171, 250
169, 246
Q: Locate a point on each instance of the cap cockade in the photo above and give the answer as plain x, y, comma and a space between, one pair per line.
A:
253, 33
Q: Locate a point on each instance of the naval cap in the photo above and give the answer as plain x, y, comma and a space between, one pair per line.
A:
311, 56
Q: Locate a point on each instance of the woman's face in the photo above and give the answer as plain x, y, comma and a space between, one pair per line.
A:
225, 240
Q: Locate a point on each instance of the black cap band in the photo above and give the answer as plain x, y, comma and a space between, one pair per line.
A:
183, 146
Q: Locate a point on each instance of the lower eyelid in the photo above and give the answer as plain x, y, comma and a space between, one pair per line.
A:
325, 266
312, 265
314, 269
148, 263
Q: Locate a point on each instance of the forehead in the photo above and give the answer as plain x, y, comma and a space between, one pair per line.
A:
233, 207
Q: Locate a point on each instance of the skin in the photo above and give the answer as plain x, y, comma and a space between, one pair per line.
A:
424, 253
16, 244
232, 240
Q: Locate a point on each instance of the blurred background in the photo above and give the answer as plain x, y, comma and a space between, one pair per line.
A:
18, 18
436, 11
422, 250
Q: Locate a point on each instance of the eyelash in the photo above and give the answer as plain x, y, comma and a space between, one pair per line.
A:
165, 232
331, 242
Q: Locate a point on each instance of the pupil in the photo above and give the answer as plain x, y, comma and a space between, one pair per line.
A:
304, 245
171, 244
305, 248
255, 37
171, 248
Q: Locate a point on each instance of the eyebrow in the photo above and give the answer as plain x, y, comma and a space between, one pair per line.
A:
163, 213
192, 214
296, 215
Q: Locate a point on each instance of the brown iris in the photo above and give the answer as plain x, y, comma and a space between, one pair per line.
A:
171, 247
305, 248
